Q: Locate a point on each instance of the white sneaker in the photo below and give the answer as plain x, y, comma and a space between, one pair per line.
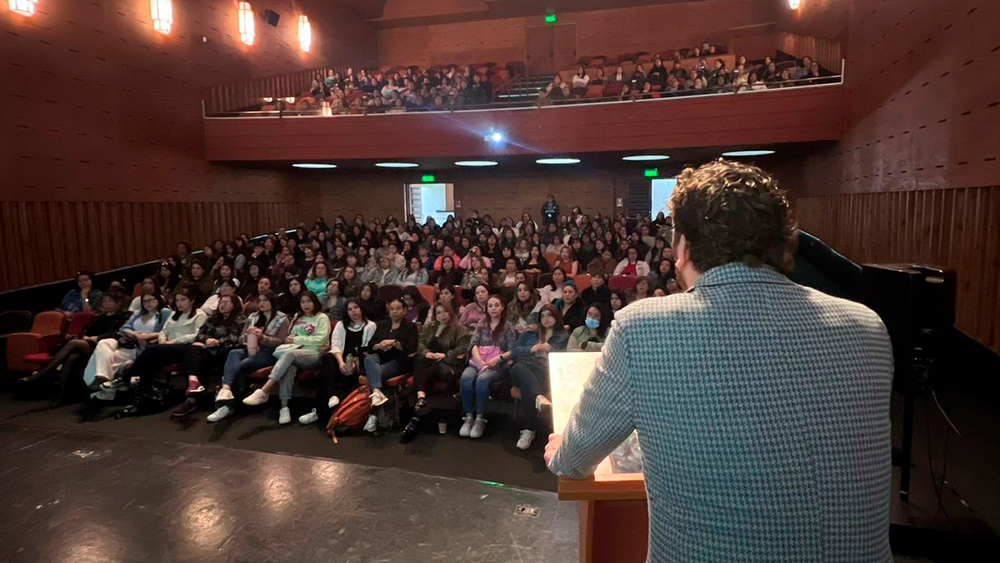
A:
256, 398
466, 426
378, 398
478, 427
220, 413
333, 402
372, 423
225, 394
542, 402
284, 415
309, 418
527, 437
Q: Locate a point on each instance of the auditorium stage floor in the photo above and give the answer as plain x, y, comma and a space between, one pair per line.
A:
86, 496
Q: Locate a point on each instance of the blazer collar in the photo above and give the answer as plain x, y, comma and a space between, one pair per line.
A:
739, 273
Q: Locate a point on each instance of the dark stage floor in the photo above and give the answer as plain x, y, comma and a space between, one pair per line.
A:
85, 496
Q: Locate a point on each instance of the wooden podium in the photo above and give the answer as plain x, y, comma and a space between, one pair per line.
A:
614, 518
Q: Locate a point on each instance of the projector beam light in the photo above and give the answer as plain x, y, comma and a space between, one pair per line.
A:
557, 161
760, 152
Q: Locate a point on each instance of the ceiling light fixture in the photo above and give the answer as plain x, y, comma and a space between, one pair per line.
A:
396, 165
645, 157
761, 152
557, 161
476, 163
313, 165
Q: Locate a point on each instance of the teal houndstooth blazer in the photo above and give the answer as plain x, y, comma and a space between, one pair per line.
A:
762, 409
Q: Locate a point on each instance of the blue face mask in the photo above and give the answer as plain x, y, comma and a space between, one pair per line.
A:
592, 324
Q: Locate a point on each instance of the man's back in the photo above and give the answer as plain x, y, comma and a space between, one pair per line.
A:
763, 413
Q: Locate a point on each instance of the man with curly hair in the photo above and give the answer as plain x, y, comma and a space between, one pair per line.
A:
762, 406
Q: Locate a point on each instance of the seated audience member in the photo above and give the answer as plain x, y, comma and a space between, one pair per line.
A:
77, 350
522, 308
415, 274
395, 340
339, 370
84, 298
318, 89
473, 313
571, 306
598, 291
554, 290
472, 277
619, 299
614, 86
492, 344
604, 262
384, 274
530, 370
264, 330
288, 302
210, 349
166, 280
555, 91
599, 79
441, 354
181, 328
658, 73
226, 289
149, 287
335, 301
631, 266
448, 275
679, 72
580, 82
567, 262
446, 295
350, 281
308, 338
111, 354
375, 309
663, 272
508, 275
251, 280
637, 80
802, 70
642, 290
317, 278
468, 262
201, 281
536, 263
417, 308
590, 336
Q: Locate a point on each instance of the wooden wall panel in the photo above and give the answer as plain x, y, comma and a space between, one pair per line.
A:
957, 228
40, 245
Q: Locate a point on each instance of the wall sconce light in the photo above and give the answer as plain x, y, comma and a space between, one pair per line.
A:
246, 23
305, 33
162, 13
23, 7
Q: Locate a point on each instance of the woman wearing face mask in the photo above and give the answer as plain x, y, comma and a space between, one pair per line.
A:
441, 354
531, 367
340, 368
269, 327
394, 341
590, 337
492, 344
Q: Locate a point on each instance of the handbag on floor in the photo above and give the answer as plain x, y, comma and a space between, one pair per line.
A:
351, 414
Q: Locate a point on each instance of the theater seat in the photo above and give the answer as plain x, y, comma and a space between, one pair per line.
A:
14, 321
301, 376
46, 332
389, 292
623, 283
582, 282
77, 323
427, 291
596, 91
551, 258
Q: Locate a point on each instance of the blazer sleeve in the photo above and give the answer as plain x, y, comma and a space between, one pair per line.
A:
604, 416
461, 346
426, 333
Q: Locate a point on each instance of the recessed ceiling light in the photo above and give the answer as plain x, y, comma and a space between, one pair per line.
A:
476, 163
645, 157
748, 153
558, 161
396, 165
313, 166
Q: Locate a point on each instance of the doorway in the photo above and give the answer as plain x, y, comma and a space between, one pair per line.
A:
550, 48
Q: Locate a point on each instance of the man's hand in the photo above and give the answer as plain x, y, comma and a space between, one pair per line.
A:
555, 442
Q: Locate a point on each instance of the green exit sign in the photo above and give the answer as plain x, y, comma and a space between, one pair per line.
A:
550, 18
427, 178
652, 172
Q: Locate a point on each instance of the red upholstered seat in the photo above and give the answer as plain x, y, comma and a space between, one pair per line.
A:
624, 283
46, 332
40, 358
78, 322
427, 291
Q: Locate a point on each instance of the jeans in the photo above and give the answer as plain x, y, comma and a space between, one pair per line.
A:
532, 377
377, 372
288, 365
240, 363
475, 388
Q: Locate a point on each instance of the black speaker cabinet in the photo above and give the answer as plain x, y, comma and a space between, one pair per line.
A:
271, 17
917, 304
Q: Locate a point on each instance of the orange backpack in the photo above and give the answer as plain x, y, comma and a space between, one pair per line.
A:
352, 413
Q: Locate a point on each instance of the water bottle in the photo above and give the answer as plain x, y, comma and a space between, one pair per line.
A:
252, 344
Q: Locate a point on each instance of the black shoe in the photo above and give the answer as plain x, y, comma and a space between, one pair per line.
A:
410, 431
187, 407
418, 409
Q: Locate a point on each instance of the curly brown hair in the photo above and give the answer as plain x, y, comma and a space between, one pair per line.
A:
733, 212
